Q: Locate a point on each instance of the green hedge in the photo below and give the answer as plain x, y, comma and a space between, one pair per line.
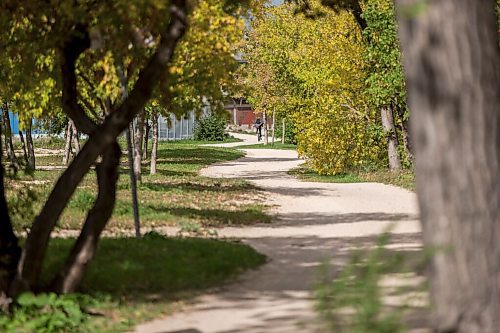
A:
210, 128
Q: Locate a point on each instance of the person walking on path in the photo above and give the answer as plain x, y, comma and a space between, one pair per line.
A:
258, 125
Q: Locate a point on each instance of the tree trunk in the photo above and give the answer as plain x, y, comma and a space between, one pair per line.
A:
406, 136
274, 128
8, 137
138, 134
133, 182
235, 113
452, 63
100, 138
392, 141
70, 276
154, 149
67, 146
266, 134
31, 148
74, 137
147, 129
25, 151
283, 131
9, 248
131, 160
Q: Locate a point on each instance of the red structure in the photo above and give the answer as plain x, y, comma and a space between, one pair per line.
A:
242, 114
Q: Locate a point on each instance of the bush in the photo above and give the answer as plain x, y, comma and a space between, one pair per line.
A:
22, 206
210, 128
290, 131
46, 313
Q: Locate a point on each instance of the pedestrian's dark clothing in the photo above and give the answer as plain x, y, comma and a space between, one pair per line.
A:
258, 125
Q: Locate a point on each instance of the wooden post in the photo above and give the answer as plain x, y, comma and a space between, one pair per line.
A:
266, 134
234, 113
174, 125
182, 128
166, 124
274, 128
283, 130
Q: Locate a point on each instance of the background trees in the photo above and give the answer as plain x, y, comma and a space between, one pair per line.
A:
385, 80
314, 71
202, 73
452, 64
106, 61
54, 45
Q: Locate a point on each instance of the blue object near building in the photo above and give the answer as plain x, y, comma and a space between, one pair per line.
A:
14, 124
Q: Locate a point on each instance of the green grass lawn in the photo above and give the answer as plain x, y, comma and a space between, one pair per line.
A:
404, 178
276, 145
134, 280
55, 159
176, 195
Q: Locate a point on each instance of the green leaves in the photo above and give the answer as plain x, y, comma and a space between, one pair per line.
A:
46, 313
385, 81
210, 128
313, 70
123, 34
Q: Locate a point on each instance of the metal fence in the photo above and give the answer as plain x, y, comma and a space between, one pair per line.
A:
173, 128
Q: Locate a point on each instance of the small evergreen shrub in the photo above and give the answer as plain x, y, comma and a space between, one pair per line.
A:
210, 128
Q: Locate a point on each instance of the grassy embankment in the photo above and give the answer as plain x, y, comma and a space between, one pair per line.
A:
176, 195
404, 179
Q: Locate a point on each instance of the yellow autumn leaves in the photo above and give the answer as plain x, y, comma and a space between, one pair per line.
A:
318, 65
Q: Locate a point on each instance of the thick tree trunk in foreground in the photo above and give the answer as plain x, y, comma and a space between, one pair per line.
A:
100, 138
31, 147
154, 148
138, 134
452, 62
390, 134
9, 248
69, 278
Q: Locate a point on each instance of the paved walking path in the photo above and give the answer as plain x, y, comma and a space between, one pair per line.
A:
316, 222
